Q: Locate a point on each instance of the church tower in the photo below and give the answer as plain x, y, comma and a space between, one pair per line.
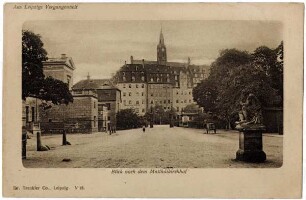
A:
161, 50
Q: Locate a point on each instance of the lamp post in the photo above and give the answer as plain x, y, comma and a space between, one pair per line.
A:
151, 118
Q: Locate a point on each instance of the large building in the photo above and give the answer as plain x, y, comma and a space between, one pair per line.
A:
145, 84
108, 99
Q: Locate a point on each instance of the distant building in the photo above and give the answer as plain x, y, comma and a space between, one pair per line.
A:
108, 96
145, 84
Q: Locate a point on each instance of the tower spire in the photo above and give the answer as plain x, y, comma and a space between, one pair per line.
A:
161, 36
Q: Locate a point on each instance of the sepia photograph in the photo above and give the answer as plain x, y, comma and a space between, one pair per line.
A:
155, 94
153, 100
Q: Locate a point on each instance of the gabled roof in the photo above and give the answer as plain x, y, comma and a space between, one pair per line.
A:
60, 61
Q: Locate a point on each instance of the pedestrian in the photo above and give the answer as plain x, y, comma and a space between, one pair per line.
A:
143, 128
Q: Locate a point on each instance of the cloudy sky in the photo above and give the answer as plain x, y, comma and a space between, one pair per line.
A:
101, 47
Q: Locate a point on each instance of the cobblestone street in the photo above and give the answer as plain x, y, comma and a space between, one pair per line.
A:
159, 147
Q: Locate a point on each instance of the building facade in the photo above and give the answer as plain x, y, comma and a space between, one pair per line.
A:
60, 68
108, 100
145, 84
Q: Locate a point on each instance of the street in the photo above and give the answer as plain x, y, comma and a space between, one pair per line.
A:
158, 147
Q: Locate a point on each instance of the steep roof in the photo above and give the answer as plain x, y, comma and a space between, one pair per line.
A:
94, 84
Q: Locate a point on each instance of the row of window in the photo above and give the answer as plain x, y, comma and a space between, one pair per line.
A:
133, 78
160, 94
136, 86
183, 101
130, 102
130, 94
161, 101
183, 92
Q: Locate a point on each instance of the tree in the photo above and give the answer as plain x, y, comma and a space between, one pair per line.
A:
236, 72
34, 83
127, 119
33, 54
205, 94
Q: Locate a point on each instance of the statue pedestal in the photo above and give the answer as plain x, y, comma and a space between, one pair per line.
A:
250, 144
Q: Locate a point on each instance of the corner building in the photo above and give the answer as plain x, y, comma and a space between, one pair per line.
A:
145, 84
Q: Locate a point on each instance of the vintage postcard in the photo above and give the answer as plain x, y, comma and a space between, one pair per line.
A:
153, 100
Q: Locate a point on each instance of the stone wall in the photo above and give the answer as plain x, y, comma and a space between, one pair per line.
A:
83, 112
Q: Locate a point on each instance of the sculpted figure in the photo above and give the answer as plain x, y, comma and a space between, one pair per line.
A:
250, 111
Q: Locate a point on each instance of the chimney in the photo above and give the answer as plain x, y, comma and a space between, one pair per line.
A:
143, 62
88, 77
124, 63
63, 56
132, 60
189, 60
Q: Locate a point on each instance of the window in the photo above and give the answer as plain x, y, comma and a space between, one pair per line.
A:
133, 78
152, 102
142, 85
161, 102
130, 102
124, 94
151, 80
124, 102
177, 92
168, 80
189, 101
130, 86
151, 94
142, 101
108, 105
165, 101
168, 100
123, 78
123, 73
185, 101
176, 78
108, 118
142, 94
130, 93
177, 109
123, 85
136, 85
177, 101
189, 93
137, 93
137, 102
94, 104
143, 110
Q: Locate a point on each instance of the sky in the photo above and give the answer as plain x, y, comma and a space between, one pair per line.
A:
100, 48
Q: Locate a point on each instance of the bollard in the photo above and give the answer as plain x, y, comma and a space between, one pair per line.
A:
24, 143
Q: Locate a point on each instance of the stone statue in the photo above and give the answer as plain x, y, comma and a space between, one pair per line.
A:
250, 114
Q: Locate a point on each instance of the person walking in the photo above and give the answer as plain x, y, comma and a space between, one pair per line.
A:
143, 128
